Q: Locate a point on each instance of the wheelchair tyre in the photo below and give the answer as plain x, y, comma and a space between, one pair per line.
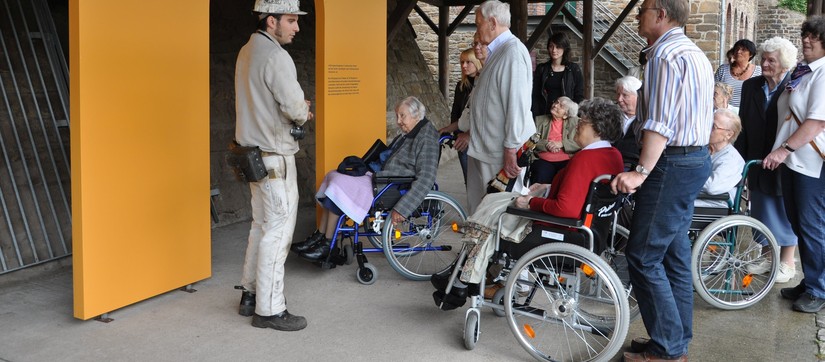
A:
614, 255
552, 319
471, 330
367, 275
427, 245
720, 259
349, 254
498, 298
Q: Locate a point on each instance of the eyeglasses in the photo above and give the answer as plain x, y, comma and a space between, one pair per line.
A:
717, 127
476, 44
642, 10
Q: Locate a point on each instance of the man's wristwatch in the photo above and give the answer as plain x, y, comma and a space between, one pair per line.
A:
785, 146
642, 170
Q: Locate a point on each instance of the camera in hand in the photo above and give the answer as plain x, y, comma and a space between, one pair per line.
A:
297, 132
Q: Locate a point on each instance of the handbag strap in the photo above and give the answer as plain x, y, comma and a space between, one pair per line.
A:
813, 144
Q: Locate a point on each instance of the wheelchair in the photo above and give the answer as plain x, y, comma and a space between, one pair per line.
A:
725, 242
563, 302
422, 245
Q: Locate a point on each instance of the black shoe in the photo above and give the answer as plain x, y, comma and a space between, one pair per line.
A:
439, 281
317, 253
450, 301
247, 307
282, 321
309, 243
793, 293
639, 344
807, 303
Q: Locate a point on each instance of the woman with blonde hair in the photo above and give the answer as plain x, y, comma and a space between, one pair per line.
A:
470, 68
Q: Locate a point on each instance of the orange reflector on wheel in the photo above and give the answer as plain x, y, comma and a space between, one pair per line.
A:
712, 248
454, 226
588, 270
529, 331
397, 234
349, 222
747, 280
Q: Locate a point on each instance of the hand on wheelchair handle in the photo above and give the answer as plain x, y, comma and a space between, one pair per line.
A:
462, 140
627, 182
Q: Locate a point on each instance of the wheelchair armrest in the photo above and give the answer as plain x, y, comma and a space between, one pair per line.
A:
383, 180
540, 216
720, 197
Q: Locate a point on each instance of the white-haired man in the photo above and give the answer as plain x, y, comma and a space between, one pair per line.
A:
269, 102
501, 122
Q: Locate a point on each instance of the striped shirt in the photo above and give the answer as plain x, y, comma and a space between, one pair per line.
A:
723, 75
677, 97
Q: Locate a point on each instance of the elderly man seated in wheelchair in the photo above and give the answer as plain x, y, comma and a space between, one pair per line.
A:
413, 153
600, 122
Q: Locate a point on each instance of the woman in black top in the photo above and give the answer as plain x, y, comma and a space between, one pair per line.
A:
557, 77
470, 68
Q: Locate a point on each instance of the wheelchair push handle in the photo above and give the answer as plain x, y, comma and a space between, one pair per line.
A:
447, 140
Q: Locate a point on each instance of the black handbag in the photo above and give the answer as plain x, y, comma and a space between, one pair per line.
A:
352, 166
247, 162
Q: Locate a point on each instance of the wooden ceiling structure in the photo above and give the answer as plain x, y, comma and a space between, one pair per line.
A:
518, 25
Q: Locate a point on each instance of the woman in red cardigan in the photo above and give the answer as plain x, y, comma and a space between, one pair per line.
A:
600, 123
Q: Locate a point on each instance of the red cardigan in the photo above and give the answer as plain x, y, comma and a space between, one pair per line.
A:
569, 188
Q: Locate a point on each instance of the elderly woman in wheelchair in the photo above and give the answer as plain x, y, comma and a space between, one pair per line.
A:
555, 289
414, 154
726, 163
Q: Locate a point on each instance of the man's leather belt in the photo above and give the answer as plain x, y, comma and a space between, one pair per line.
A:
267, 154
681, 150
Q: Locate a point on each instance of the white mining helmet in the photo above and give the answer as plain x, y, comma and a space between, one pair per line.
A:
278, 7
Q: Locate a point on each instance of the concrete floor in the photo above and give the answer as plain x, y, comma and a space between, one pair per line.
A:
393, 319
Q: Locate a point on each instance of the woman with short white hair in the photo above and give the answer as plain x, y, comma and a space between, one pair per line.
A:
759, 114
627, 90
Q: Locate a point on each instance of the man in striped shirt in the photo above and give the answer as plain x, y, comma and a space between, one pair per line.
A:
675, 112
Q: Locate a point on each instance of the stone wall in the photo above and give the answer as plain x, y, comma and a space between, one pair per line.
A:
776, 21
231, 24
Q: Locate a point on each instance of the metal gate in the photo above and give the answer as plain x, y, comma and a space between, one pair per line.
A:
35, 199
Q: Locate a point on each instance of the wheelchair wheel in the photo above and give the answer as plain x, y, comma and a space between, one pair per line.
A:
722, 256
471, 330
425, 244
615, 257
366, 275
553, 312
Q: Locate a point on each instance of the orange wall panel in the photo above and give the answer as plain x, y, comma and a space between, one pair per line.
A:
351, 79
140, 149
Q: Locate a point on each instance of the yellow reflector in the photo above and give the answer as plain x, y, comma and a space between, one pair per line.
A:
397, 234
747, 280
349, 222
455, 226
588, 270
529, 331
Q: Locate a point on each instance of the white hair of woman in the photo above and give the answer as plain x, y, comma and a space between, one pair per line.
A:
629, 83
787, 51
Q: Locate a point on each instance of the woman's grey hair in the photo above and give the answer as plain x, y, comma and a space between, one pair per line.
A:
568, 104
733, 120
605, 117
416, 108
725, 88
787, 51
676, 10
496, 9
629, 83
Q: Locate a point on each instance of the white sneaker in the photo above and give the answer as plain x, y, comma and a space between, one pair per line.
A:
785, 274
759, 268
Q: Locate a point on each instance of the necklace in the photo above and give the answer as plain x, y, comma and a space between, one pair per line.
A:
737, 75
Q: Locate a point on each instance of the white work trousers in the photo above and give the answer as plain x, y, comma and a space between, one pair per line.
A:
274, 211
479, 174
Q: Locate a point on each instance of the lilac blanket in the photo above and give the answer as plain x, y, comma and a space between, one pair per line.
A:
352, 194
